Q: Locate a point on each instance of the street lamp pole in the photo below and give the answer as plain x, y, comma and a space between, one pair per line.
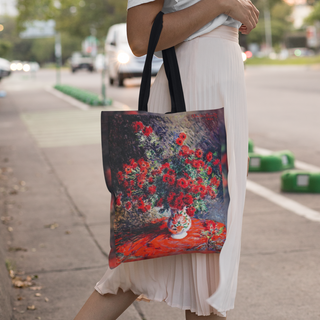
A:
267, 26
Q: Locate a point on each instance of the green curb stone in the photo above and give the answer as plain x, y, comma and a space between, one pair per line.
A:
276, 161
300, 181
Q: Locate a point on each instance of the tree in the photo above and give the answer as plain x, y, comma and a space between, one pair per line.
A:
281, 22
314, 15
79, 19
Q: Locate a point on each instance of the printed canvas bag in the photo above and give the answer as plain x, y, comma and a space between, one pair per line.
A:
167, 173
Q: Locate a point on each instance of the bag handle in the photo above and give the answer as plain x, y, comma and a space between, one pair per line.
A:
171, 69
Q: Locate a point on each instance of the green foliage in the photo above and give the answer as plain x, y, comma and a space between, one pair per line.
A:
314, 15
76, 18
5, 47
280, 13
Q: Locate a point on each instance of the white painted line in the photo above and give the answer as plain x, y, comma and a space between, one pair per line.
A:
283, 202
298, 164
67, 98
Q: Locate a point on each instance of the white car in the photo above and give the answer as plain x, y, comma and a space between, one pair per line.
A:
4, 68
121, 62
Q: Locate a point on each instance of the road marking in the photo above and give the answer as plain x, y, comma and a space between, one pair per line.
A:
283, 202
298, 164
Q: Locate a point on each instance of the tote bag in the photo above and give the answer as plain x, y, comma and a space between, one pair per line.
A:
167, 173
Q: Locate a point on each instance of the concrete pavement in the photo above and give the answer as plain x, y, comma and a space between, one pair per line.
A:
55, 226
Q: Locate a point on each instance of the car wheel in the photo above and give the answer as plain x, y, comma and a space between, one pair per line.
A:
120, 80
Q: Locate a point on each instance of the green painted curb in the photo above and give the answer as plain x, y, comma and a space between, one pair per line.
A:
300, 181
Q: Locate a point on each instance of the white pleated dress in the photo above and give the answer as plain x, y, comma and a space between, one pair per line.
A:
212, 75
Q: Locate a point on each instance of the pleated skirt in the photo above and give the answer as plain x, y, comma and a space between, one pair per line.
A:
212, 76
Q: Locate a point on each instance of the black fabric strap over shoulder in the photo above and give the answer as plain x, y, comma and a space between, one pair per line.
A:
171, 69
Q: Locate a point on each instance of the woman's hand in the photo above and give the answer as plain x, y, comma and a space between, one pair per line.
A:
243, 11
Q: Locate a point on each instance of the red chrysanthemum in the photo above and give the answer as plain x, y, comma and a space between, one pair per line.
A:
209, 171
152, 189
171, 172
126, 184
128, 170
147, 131
182, 182
209, 156
191, 211
129, 193
179, 142
196, 164
118, 201
159, 203
148, 207
131, 182
165, 177
128, 205
182, 136
137, 126
200, 180
216, 162
140, 184
150, 180
171, 180
188, 199
203, 189
199, 153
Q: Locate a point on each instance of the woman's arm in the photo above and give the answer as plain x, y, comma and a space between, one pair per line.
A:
178, 26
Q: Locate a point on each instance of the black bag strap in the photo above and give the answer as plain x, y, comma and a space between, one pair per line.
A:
171, 69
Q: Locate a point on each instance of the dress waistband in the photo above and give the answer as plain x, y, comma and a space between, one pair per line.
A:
224, 32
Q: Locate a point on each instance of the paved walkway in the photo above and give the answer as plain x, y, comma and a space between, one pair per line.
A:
55, 205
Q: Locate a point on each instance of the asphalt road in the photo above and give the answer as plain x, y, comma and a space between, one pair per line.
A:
279, 270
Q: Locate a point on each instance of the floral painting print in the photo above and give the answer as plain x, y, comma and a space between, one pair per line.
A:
167, 174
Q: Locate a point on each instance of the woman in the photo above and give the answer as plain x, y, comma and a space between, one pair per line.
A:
205, 34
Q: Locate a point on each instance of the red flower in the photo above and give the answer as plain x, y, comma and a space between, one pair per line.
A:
128, 205
213, 180
137, 126
171, 172
152, 189
182, 183
209, 171
182, 136
209, 156
203, 189
118, 201
131, 182
155, 172
128, 169
165, 178
195, 189
201, 163
186, 175
191, 211
179, 203
148, 207
129, 193
211, 225
150, 180
147, 131
212, 193
165, 165
126, 184
218, 183
171, 197
199, 179
171, 180
196, 164
179, 141
191, 182
159, 203
187, 199
140, 184
144, 171
199, 153
216, 162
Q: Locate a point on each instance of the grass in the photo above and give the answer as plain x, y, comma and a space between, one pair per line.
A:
289, 61
82, 95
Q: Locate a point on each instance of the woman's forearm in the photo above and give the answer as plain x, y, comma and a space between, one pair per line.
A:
177, 26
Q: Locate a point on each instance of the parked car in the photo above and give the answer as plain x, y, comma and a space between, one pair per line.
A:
79, 60
121, 62
4, 68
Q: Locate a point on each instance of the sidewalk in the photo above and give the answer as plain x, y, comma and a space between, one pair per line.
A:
55, 225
